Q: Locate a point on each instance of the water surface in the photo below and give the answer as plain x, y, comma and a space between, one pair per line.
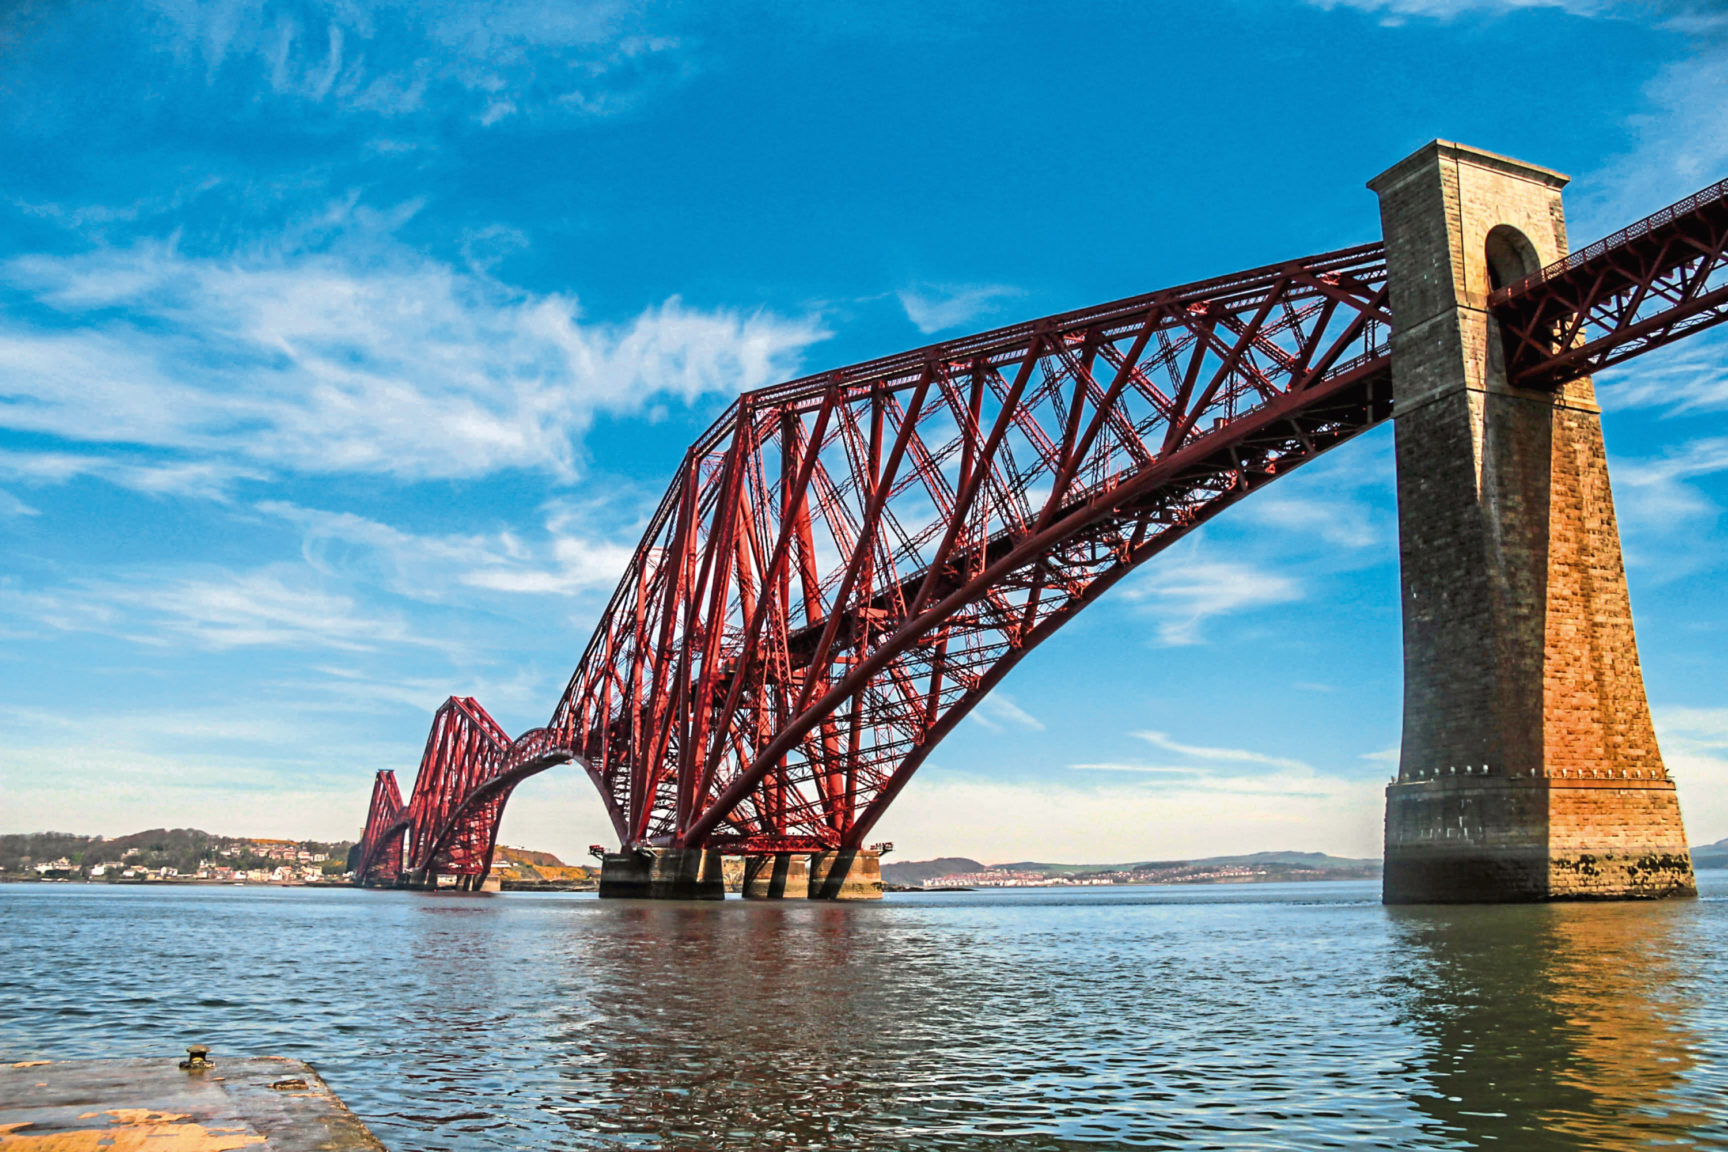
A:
1252, 1016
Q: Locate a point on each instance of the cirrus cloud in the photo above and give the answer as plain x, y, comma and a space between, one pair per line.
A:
369, 359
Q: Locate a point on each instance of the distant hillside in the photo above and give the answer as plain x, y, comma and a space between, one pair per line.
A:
508, 855
184, 849
915, 872
522, 870
1711, 855
1261, 866
1317, 861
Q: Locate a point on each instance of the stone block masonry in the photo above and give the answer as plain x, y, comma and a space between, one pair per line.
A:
1529, 769
662, 874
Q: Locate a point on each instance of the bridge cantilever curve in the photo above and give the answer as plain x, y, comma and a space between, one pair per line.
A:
844, 565
449, 826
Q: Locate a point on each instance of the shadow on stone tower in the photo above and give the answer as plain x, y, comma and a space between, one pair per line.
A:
1529, 769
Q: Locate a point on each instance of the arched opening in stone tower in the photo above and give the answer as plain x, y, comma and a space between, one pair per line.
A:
1511, 256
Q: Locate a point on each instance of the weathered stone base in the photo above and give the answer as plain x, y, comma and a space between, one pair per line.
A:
781, 876
1484, 841
853, 874
662, 874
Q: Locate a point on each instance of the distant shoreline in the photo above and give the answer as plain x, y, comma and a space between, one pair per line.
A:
159, 882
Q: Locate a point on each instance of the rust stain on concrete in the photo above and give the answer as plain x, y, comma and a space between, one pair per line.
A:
132, 1130
266, 1103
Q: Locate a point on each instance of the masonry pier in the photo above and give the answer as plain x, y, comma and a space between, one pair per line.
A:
777, 876
1529, 767
846, 874
663, 874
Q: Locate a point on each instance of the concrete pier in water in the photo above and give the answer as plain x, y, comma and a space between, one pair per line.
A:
168, 1105
662, 874
848, 874
777, 876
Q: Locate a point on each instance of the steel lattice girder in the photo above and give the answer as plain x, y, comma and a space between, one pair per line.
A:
449, 826
381, 843
846, 564
463, 834
1645, 286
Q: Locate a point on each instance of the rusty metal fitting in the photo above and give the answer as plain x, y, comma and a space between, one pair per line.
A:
197, 1058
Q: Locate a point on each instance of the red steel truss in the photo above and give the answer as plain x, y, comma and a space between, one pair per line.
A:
1645, 286
380, 857
449, 827
846, 564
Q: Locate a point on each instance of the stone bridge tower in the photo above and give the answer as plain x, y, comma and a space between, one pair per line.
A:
1529, 769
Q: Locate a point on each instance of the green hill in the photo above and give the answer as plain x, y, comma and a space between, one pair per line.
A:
915, 872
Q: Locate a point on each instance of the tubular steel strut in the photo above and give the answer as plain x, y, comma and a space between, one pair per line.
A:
845, 564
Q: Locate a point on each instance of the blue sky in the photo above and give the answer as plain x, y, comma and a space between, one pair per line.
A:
345, 348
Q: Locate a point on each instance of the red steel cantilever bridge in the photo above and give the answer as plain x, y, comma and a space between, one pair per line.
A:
844, 565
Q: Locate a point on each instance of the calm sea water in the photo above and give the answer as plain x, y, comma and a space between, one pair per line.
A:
1299, 1016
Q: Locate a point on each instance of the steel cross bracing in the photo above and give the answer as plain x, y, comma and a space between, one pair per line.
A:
1647, 285
380, 856
846, 564
449, 827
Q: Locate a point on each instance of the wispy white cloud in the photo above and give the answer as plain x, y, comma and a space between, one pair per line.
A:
1654, 492
274, 765
498, 58
274, 606
569, 560
937, 307
374, 359
1680, 135
203, 479
10, 505
1337, 518
512, 688
998, 710
1182, 594
1396, 11
1222, 755
1681, 379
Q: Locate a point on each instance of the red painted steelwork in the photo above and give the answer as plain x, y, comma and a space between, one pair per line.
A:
380, 859
846, 564
1647, 285
449, 827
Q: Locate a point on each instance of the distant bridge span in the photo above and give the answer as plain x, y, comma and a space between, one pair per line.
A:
845, 565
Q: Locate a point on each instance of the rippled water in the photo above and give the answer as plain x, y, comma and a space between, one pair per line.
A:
1300, 1016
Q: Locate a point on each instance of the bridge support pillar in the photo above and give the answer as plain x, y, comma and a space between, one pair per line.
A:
776, 876
662, 874
477, 883
847, 874
1529, 768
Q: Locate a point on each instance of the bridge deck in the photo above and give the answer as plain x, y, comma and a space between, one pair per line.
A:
1647, 285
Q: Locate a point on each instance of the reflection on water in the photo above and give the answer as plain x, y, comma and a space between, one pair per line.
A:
1302, 1016
1563, 1026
